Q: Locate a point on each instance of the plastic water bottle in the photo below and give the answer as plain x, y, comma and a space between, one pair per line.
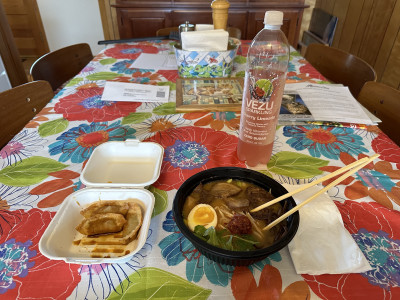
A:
267, 62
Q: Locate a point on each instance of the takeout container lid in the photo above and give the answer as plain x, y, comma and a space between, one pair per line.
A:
123, 164
57, 240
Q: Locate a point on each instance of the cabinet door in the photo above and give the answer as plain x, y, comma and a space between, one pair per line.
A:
238, 19
289, 27
136, 23
194, 16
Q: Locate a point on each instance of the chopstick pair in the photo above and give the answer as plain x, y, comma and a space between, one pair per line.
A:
351, 169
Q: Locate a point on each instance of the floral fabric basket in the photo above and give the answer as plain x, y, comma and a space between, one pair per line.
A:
206, 63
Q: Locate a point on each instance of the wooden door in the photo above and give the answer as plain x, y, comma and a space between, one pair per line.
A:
9, 53
26, 25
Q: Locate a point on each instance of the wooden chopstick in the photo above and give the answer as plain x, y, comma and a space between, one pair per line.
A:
333, 183
306, 186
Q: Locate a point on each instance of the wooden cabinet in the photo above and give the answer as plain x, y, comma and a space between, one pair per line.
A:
142, 18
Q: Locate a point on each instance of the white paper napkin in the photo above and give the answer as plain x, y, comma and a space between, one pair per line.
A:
322, 245
205, 40
200, 27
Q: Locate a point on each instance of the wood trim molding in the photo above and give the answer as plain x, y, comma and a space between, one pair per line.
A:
9, 52
108, 16
43, 46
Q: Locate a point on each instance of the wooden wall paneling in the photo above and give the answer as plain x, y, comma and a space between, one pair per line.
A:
114, 20
109, 19
39, 35
291, 20
27, 27
326, 5
340, 11
391, 75
350, 25
371, 28
104, 7
305, 20
9, 52
14, 7
361, 26
375, 30
389, 40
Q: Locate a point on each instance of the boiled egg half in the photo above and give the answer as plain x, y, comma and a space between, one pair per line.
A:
202, 214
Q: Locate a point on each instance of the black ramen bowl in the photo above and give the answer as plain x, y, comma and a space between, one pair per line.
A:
234, 258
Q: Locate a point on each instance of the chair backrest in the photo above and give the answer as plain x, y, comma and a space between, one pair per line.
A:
61, 65
339, 66
323, 25
166, 31
19, 105
384, 102
233, 31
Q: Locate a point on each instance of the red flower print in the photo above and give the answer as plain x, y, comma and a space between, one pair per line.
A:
26, 273
170, 75
244, 286
40, 117
189, 150
311, 71
126, 51
86, 104
139, 77
57, 189
386, 148
216, 120
378, 229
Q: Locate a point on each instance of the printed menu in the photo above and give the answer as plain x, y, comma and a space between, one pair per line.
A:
322, 102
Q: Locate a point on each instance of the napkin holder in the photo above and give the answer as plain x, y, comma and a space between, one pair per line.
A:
206, 64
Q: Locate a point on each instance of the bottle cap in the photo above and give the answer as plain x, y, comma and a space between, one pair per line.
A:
273, 18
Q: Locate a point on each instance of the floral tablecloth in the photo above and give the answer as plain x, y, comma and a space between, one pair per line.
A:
41, 166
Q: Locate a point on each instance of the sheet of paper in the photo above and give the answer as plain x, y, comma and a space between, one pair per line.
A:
160, 61
122, 91
329, 102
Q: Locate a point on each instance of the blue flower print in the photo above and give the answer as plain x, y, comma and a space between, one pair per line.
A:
79, 142
383, 255
124, 67
14, 262
328, 141
187, 155
175, 249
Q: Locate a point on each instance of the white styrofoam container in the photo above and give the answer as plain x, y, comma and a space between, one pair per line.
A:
57, 241
130, 164
108, 176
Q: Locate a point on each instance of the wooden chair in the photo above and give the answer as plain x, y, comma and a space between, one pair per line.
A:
384, 102
340, 67
59, 66
166, 31
233, 31
19, 105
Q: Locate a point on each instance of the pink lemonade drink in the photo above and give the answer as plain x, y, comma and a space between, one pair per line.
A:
259, 115
267, 63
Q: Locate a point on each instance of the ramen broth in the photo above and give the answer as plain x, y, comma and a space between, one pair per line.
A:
232, 201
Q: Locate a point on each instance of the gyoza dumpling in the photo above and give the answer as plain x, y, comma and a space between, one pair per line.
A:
102, 223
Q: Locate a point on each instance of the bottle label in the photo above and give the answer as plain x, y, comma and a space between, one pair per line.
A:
260, 108
260, 90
